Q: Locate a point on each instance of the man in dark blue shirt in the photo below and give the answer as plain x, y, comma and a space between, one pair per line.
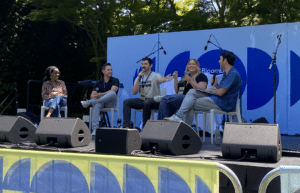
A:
222, 98
104, 95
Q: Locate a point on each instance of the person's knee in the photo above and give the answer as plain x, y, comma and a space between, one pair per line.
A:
191, 92
126, 102
147, 103
113, 94
163, 105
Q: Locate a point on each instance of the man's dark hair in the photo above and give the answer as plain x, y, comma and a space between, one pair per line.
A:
104, 65
148, 59
229, 56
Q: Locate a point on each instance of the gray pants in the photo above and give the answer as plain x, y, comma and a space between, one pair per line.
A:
195, 100
108, 100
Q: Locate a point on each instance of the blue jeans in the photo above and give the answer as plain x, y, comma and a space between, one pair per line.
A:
169, 105
56, 103
108, 100
195, 100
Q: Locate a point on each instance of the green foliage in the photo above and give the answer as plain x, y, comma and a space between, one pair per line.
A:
255, 12
72, 34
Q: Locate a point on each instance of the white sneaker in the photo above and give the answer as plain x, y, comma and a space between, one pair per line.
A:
85, 104
173, 118
158, 98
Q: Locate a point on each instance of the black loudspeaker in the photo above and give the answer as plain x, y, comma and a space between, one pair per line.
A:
31, 117
16, 129
260, 141
117, 140
170, 137
260, 120
63, 132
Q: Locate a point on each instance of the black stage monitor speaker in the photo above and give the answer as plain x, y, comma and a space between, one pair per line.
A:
30, 116
260, 141
260, 120
63, 132
170, 137
117, 140
16, 129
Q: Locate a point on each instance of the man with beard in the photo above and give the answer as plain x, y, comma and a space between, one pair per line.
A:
104, 95
148, 84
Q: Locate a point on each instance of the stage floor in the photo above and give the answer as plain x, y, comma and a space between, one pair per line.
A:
212, 152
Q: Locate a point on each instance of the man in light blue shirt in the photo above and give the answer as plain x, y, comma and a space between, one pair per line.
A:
222, 98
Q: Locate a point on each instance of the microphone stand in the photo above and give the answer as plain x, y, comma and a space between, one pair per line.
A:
150, 54
215, 44
274, 77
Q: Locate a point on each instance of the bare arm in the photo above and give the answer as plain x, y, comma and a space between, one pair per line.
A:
218, 91
175, 76
136, 86
200, 85
164, 79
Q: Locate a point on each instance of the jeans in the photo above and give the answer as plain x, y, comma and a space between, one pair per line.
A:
108, 100
136, 103
56, 103
169, 105
195, 100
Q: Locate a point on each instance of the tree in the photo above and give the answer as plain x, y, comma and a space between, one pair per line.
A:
12, 21
192, 15
254, 12
93, 16
277, 11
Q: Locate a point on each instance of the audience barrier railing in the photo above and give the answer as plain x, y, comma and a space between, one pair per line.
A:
289, 177
231, 175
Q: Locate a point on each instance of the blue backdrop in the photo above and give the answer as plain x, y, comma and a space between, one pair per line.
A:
253, 46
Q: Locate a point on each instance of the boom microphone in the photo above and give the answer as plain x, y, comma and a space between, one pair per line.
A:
214, 76
279, 36
163, 49
208, 41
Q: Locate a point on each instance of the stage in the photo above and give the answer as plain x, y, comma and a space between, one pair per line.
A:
250, 173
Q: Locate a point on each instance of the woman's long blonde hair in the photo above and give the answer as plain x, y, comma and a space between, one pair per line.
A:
198, 69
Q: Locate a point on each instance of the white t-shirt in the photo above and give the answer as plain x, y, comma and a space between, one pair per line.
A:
150, 85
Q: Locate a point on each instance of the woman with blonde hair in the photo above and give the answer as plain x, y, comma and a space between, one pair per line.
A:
193, 79
54, 91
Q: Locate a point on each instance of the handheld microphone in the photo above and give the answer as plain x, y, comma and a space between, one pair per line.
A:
143, 70
207, 43
188, 73
214, 76
163, 49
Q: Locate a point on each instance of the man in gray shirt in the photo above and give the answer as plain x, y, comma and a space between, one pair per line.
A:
147, 84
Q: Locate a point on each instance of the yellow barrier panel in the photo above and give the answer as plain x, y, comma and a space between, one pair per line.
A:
40, 171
